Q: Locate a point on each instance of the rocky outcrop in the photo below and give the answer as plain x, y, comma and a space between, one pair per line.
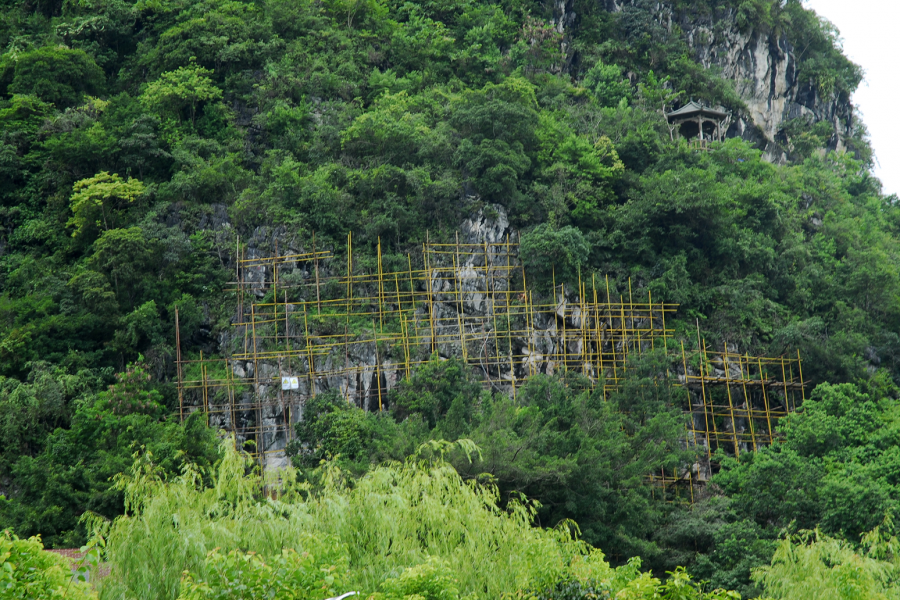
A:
467, 302
765, 71
763, 66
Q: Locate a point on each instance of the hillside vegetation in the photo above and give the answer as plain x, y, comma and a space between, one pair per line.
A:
138, 140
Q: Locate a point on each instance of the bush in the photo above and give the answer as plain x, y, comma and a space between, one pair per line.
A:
28, 572
548, 251
286, 576
411, 530
53, 74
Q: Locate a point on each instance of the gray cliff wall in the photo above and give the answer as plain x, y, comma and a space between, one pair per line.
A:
763, 67
765, 72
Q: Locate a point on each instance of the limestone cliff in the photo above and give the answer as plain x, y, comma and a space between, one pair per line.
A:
765, 72
763, 66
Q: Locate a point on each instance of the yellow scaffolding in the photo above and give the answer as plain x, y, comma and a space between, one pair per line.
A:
299, 332
734, 403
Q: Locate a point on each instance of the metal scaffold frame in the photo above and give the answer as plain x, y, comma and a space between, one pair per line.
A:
362, 329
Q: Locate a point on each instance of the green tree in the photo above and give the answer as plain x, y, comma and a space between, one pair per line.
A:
813, 565
546, 251
102, 195
55, 74
608, 84
123, 255
184, 89
74, 470
29, 572
333, 428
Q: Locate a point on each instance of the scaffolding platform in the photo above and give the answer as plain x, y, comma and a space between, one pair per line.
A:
307, 323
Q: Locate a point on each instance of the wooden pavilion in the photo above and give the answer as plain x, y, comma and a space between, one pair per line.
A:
695, 121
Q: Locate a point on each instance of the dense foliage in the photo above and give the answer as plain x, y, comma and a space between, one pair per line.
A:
403, 530
27, 572
583, 456
71, 469
139, 139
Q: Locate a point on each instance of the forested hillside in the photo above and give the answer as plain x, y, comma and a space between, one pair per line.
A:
140, 140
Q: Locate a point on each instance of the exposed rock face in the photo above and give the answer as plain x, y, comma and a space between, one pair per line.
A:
765, 72
468, 291
763, 66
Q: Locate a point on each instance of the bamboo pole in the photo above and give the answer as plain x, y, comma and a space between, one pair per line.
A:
747, 399
565, 346
529, 304
377, 365
404, 325
787, 404
602, 371
762, 385
512, 366
430, 296
636, 330
275, 291
489, 283
612, 339
316, 264
459, 311
311, 364
287, 341
349, 270
381, 299
584, 336
178, 368
737, 451
260, 441
687, 392
712, 411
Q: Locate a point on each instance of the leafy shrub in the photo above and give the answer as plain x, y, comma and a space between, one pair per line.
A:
54, 74
431, 580
547, 251
420, 515
813, 565
609, 84
28, 572
286, 576
333, 428
436, 389
628, 583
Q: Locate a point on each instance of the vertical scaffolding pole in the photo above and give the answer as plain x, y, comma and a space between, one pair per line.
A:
747, 400
737, 450
311, 370
377, 366
612, 340
178, 367
429, 297
260, 439
381, 299
762, 385
637, 330
459, 310
203, 383
316, 263
787, 403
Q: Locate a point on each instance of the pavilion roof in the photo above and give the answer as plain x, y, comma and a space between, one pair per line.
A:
693, 109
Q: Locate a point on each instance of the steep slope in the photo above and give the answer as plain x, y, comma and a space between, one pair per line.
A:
775, 55
145, 144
